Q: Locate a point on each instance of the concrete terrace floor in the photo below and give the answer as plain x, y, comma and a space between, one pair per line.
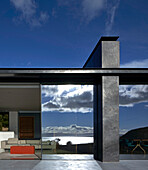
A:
8, 156
70, 162
72, 165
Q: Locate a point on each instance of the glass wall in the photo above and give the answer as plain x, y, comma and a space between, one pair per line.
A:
133, 121
67, 121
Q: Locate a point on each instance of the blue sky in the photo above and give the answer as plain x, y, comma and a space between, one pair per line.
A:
57, 33
62, 34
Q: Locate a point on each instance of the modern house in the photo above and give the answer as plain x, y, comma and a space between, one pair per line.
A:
20, 99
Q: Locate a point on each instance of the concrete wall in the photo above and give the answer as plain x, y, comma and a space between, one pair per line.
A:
106, 54
110, 54
106, 101
106, 119
13, 122
110, 118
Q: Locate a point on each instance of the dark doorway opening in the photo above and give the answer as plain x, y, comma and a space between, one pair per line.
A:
26, 127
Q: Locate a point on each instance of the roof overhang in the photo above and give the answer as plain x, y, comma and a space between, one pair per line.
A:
72, 75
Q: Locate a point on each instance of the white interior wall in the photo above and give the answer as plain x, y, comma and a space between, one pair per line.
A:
5, 136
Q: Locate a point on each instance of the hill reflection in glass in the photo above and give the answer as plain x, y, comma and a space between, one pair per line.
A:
67, 119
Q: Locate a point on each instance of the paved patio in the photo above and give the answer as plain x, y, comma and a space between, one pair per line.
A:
67, 162
71, 165
67, 157
8, 156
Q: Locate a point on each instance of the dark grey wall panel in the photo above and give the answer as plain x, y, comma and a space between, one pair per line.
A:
98, 140
95, 60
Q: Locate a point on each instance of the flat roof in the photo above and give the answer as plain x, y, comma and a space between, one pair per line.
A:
72, 75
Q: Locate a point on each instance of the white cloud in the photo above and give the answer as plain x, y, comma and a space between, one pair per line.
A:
130, 95
123, 131
49, 90
72, 129
77, 98
43, 17
111, 9
68, 98
91, 9
28, 12
136, 64
87, 10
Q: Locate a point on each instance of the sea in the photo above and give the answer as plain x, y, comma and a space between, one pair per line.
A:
72, 139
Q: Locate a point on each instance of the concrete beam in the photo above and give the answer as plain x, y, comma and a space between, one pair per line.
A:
72, 75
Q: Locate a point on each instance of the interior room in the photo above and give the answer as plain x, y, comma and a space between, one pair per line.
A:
20, 121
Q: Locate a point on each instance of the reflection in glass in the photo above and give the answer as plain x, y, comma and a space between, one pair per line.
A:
133, 121
67, 119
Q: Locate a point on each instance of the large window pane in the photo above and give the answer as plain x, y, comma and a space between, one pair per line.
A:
67, 120
134, 122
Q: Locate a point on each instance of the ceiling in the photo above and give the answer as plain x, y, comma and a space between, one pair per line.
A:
20, 97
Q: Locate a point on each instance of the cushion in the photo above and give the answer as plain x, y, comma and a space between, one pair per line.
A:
21, 142
12, 140
22, 150
33, 142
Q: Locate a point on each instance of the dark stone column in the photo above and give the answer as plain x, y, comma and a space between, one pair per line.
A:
106, 107
106, 119
110, 118
106, 100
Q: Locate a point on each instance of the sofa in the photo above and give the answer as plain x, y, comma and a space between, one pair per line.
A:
6, 144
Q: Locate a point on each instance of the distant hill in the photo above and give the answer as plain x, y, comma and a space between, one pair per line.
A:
140, 133
66, 134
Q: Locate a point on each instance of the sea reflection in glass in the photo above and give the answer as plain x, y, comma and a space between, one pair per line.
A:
67, 119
